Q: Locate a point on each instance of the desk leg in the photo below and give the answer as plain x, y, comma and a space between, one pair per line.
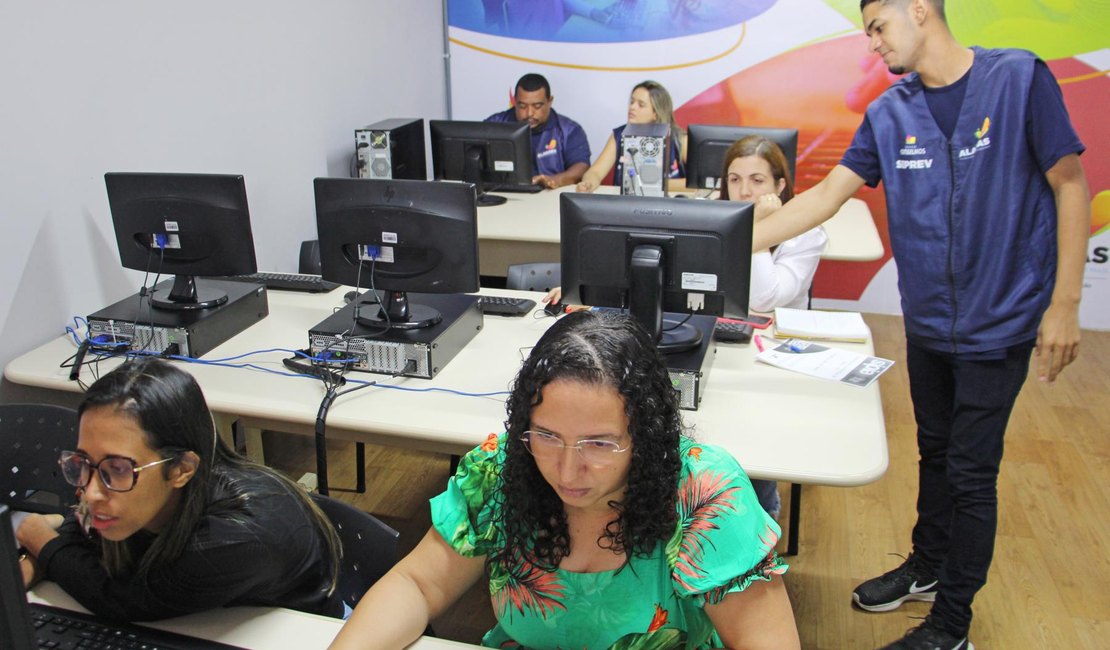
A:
795, 518
253, 439
225, 427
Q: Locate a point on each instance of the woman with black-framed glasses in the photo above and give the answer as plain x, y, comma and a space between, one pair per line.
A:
599, 523
170, 520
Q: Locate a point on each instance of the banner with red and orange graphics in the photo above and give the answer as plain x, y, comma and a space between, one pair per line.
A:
779, 63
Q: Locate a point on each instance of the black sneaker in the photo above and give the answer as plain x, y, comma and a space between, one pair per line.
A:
911, 581
929, 637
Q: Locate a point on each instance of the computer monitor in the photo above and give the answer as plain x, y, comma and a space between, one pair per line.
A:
15, 625
486, 154
706, 145
656, 254
187, 225
396, 236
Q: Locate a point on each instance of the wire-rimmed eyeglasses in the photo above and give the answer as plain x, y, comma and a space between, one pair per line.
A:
117, 473
595, 452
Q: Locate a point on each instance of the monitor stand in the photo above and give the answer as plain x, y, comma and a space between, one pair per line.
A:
187, 296
397, 313
677, 336
486, 200
472, 173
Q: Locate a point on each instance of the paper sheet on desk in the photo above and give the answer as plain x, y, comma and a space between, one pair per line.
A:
824, 362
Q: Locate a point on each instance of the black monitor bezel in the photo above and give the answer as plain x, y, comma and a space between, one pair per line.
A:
450, 138
669, 220
133, 201
698, 136
341, 201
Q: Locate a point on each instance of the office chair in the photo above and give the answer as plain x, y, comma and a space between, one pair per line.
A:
309, 261
535, 276
369, 547
31, 436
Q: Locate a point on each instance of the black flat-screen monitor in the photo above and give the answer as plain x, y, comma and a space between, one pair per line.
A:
396, 236
486, 154
656, 254
706, 145
187, 225
16, 630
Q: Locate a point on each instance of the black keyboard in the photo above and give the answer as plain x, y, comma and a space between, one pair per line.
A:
502, 306
62, 628
287, 281
732, 332
513, 188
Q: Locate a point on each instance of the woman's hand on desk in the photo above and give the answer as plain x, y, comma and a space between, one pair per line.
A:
586, 185
552, 296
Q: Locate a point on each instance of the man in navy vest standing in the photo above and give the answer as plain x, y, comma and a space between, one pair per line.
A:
989, 217
562, 152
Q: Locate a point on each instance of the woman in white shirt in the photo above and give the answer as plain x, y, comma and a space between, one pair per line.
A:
755, 170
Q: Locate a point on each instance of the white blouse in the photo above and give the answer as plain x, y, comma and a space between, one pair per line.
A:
783, 278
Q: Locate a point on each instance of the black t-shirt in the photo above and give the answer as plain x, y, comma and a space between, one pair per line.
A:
256, 545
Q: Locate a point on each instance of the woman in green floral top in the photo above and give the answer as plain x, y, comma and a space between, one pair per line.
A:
600, 525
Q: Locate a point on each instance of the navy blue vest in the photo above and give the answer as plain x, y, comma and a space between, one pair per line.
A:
973, 219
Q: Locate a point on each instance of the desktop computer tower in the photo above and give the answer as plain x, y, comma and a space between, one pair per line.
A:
645, 153
410, 353
134, 324
391, 149
690, 370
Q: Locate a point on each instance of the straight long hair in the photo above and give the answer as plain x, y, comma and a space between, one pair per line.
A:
170, 409
663, 106
757, 145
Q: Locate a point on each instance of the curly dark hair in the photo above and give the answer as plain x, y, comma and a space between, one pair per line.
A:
604, 349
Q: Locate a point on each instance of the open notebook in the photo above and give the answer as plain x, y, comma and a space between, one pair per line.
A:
25, 626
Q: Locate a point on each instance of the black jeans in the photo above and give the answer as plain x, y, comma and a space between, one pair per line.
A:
961, 408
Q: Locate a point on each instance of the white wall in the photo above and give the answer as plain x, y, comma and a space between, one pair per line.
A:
271, 89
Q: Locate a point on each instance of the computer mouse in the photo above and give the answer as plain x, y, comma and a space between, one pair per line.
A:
349, 297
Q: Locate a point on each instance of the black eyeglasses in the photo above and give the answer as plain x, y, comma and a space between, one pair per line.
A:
117, 473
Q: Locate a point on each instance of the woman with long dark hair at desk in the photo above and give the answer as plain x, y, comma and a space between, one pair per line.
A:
599, 522
649, 103
170, 520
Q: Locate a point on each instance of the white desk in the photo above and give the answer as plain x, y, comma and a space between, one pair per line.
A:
259, 628
526, 229
778, 424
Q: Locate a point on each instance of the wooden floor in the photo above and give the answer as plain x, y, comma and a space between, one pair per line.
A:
1049, 586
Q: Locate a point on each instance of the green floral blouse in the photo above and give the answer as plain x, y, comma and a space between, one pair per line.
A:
723, 542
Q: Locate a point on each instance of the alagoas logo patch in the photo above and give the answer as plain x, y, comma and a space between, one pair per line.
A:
982, 141
549, 149
910, 148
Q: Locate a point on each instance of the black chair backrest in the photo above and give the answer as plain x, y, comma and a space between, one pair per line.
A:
534, 276
309, 261
369, 547
31, 435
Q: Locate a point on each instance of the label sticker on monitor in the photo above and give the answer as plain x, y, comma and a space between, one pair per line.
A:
503, 166
389, 237
699, 282
171, 226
